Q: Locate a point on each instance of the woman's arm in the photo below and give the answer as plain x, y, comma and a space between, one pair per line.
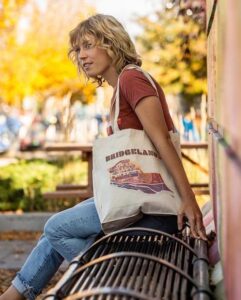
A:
150, 114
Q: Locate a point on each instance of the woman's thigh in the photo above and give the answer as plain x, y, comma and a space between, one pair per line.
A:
80, 221
166, 223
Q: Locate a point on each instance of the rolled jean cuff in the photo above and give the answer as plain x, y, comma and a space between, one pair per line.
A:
24, 288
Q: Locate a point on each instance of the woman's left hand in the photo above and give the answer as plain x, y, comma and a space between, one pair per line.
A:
191, 210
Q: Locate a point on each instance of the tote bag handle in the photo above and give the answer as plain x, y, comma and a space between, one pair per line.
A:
117, 97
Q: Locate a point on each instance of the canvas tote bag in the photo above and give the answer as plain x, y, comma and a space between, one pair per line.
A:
129, 177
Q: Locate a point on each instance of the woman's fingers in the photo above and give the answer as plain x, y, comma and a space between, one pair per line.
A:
180, 222
193, 226
201, 228
196, 223
202, 234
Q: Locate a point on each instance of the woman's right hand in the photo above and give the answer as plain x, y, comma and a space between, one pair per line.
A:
190, 210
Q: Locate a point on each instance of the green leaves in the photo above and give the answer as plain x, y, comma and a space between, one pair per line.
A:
22, 184
173, 48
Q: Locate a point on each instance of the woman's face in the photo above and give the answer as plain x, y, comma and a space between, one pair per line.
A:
94, 60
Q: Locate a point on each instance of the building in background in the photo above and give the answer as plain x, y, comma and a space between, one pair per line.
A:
224, 111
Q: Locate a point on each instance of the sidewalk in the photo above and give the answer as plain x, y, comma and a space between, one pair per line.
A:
18, 235
30, 221
13, 253
14, 250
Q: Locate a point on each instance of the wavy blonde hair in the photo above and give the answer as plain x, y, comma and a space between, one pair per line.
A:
110, 35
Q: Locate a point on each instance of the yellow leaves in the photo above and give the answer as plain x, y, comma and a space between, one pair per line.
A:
196, 65
170, 76
181, 66
38, 64
199, 45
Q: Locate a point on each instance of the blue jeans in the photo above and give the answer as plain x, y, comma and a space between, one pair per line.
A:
66, 234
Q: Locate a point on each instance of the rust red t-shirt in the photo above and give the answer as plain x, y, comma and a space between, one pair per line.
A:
134, 87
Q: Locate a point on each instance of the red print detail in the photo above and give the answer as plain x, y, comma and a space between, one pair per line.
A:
127, 174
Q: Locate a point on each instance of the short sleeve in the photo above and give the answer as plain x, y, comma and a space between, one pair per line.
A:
134, 86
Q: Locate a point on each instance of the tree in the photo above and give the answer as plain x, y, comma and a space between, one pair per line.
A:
10, 12
36, 61
174, 47
9, 16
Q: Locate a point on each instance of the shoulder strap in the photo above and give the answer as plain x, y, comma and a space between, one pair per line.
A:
117, 96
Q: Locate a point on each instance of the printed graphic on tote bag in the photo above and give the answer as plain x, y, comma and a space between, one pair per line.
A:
126, 174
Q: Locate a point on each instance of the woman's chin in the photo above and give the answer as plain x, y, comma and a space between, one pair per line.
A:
91, 74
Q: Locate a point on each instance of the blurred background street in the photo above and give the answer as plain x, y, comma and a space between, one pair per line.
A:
44, 101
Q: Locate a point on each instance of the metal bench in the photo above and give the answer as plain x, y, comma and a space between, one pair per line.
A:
138, 263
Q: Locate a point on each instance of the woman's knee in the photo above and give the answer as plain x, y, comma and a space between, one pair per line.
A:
51, 227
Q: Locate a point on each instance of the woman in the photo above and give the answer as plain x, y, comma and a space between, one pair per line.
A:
102, 49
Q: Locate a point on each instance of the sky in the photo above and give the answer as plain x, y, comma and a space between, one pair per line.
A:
126, 10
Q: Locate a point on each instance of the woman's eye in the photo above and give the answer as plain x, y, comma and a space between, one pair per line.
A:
77, 50
89, 45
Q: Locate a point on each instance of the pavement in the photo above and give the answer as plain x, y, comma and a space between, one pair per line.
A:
23, 221
13, 253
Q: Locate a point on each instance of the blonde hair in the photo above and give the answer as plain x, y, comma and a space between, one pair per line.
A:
109, 35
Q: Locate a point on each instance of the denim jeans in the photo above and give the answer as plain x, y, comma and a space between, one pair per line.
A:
66, 235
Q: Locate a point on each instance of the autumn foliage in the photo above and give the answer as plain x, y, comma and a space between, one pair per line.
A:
173, 45
34, 47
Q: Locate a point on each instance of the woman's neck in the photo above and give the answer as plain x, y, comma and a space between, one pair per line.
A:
111, 76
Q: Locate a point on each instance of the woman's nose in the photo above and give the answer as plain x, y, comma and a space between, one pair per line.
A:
82, 54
